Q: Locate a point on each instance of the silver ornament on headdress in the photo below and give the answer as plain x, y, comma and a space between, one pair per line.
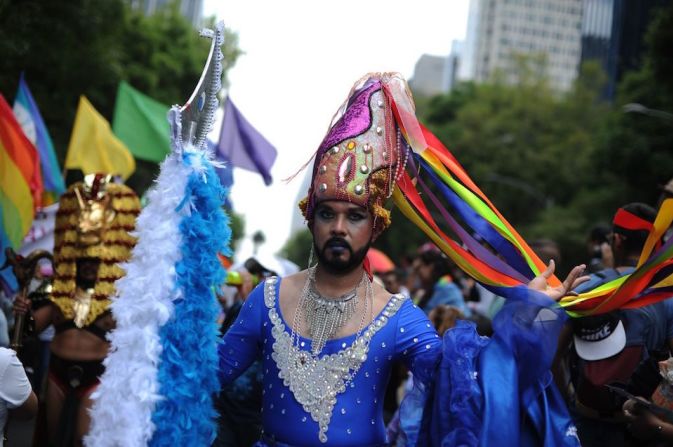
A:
191, 123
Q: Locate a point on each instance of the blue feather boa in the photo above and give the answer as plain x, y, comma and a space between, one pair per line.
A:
188, 366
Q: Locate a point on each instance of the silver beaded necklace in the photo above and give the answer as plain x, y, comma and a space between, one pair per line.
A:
325, 316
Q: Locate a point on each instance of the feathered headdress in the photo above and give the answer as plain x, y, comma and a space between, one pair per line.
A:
161, 373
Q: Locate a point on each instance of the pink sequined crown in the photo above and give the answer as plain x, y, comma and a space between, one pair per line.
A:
363, 143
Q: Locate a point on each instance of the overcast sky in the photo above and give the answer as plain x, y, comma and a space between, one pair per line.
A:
300, 60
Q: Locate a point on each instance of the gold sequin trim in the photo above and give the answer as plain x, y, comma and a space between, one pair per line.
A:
98, 307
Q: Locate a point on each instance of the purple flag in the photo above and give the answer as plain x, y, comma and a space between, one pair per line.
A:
242, 146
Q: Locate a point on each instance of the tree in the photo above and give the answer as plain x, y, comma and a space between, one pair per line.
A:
298, 247
86, 47
639, 147
66, 49
528, 147
237, 224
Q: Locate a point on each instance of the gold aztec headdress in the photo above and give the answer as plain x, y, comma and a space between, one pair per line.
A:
94, 220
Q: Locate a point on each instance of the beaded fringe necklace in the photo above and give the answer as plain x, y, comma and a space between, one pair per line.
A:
325, 316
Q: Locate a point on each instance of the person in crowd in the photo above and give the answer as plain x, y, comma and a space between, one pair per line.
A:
646, 426
328, 335
34, 352
239, 403
599, 249
666, 192
437, 285
4, 326
618, 347
393, 282
17, 398
92, 236
443, 318
547, 250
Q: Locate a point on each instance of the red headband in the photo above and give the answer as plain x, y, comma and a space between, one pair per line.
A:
630, 221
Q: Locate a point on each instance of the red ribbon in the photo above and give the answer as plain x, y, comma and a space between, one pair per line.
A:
630, 221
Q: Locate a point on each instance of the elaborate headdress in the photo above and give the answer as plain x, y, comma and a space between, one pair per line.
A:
161, 372
94, 220
363, 153
378, 148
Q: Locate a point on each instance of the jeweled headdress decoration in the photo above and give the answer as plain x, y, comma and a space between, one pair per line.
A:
94, 220
363, 153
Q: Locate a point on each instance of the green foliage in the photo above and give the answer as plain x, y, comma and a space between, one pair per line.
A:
298, 248
163, 55
528, 147
556, 164
86, 47
639, 146
66, 49
237, 225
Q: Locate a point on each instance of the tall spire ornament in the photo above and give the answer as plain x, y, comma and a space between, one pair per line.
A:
162, 368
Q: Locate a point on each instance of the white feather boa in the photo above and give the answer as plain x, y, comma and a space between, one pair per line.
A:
129, 389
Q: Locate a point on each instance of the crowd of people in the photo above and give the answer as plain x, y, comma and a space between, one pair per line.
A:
587, 368
340, 354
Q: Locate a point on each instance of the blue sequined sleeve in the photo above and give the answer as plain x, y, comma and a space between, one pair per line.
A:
497, 391
417, 343
419, 347
242, 343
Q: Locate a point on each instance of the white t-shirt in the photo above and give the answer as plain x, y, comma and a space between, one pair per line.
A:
14, 385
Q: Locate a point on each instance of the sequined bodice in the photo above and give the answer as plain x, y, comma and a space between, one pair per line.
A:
400, 332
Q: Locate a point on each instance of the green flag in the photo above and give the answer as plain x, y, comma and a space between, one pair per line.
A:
140, 122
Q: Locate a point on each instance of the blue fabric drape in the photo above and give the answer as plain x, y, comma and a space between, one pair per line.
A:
497, 391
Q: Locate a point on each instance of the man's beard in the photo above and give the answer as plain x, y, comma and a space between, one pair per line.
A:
337, 265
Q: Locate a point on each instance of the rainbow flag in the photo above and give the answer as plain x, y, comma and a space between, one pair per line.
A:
20, 187
20, 177
30, 119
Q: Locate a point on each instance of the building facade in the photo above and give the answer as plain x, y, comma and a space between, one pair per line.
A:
613, 34
501, 32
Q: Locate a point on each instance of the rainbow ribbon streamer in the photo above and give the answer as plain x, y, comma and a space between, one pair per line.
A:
434, 179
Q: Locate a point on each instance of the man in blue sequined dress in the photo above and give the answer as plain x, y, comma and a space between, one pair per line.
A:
328, 335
